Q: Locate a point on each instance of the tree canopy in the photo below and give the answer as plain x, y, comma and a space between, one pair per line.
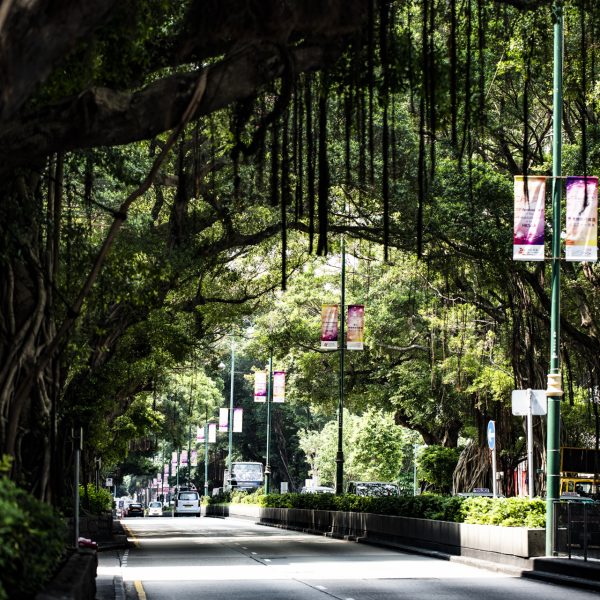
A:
166, 166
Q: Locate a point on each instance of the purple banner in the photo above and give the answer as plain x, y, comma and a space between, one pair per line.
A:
329, 326
356, 327
260, 386
238, 415
194, 459
200, 434
223, 419
279, 386
212, 433
582, 219
528, 228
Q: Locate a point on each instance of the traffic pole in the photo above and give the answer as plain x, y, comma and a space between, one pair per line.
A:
269, 396
339, 459
554, 391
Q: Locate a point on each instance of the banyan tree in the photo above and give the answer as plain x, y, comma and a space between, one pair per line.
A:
206, 127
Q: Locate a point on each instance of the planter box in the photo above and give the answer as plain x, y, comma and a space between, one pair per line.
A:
508, 545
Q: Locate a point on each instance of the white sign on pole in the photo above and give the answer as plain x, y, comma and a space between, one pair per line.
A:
520, 402
109, 482
284, 487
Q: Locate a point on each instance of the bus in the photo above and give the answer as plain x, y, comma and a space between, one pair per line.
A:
247, 476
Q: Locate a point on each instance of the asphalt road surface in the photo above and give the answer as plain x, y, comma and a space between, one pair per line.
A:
231, 559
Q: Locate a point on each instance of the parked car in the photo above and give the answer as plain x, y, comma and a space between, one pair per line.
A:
373, 488
155, 509
135, 509
187, 503
317, 489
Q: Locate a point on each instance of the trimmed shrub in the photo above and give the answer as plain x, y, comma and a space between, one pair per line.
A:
95, 502
32, 542
506, 512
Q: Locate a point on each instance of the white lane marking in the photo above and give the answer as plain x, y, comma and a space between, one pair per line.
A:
254, 553
320, 587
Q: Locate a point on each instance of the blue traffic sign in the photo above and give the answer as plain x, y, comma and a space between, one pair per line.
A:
491, 434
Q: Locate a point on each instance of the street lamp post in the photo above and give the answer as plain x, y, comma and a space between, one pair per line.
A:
206, 458
339, 459
554, 391
231, 382
269, 397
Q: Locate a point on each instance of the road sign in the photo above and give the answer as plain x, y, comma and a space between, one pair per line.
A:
491, 434
520, 402
109, 482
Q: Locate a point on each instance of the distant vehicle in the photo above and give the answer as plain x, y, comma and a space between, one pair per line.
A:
479, 492
579, 471
373, 488
155, 509
317, 489
135, 509
245, 476
187, 503
575, 497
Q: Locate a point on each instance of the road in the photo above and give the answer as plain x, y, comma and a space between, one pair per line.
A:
224, 559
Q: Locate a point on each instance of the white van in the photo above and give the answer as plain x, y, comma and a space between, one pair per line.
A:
187, 503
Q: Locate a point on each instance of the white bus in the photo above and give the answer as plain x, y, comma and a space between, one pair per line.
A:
246, 476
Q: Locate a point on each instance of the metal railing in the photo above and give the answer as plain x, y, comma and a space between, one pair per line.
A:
577, 529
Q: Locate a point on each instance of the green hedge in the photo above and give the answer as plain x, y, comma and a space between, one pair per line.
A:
95, 501
32, 542
506, 512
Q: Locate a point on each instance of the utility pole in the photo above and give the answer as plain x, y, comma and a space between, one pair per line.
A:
339, 459
269, 397
231, 407
554, 391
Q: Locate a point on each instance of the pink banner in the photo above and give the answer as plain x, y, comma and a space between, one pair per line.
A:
200, 434
260, 386
194, 459
279, 386
329, 326
528, 228
223, 419
212, 433
174, 458
582, 219
356, 327
238, 415
183, 458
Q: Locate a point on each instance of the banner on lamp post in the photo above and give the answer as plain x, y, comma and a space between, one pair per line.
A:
528, 226
174, 458
223, 419
184, 458
200, 434
279, 386
582, 219
212, 433
356, 327
329, 326
238, 415
260, 386
194, 458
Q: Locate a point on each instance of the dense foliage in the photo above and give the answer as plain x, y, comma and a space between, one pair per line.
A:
95, 501
129, 255
505, 512
32, 542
